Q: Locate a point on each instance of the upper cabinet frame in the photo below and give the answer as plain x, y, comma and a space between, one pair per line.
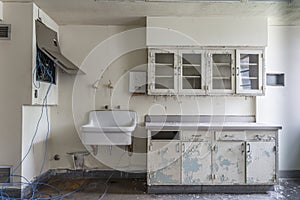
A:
206, 71
250, 72
191, 72
162, 72
221, 72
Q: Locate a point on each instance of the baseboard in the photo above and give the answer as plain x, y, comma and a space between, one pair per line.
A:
289, 173
96, 174
200, 189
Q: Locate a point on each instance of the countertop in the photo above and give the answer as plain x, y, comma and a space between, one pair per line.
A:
210, 126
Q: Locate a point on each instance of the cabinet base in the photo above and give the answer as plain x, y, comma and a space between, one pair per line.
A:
227, 189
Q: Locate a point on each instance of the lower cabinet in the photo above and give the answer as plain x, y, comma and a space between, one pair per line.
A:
196, 163
261, 163
214, 158
164, 163
229, 163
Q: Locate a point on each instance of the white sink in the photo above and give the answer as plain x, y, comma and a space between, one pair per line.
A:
109, 127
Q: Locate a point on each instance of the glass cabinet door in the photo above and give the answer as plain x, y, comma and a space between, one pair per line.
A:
162, 72
221, 73
249, 71
191, 72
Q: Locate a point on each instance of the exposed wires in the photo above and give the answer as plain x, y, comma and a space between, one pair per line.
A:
42, 72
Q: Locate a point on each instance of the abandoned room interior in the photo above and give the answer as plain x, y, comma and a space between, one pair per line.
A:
149, 99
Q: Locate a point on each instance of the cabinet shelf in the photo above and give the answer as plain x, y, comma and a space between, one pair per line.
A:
163, 64
164, 76
191, 65
222, 64
221, 78
248, 64
244, 85
250, 78
191, 76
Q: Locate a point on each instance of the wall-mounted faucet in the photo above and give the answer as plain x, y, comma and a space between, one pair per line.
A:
109, 85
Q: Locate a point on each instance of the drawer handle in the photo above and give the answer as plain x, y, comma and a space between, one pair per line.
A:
249, 148
177, 147
243, 148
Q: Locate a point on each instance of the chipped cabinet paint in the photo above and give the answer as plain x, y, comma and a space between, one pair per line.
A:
196, 136
229, 157
230, 135
164, 163
261, 162
196, 163
229, 163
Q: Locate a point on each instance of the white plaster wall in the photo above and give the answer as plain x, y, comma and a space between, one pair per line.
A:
35, 131
280, 105
207, 31
1, 10
15, 80
77, 43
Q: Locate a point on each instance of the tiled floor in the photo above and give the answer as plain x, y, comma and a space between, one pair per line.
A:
127, 189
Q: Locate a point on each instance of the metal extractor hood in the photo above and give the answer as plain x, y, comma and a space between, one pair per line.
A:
47, 42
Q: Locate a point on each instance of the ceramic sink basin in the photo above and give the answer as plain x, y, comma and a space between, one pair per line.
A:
109, 127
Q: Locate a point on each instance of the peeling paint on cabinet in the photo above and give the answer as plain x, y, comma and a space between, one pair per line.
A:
261, 164
196, 163
164, 162
229, 163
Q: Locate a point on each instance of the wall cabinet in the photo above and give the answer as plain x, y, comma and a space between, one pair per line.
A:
249, 71
174, 72
221, 72
205, 72
213, 158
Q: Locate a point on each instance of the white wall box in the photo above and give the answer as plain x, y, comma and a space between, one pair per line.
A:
205, 71
137, 82
275, 79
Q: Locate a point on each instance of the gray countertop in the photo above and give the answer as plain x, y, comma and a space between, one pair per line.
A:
210, 126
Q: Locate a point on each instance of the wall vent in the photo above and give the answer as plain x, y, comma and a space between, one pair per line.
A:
5, 174
5, 31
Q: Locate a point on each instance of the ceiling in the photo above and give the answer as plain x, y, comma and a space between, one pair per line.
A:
130, 12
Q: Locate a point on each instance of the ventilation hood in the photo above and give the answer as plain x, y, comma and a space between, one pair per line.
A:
47, 42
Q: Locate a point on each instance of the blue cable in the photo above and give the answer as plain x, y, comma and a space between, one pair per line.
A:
36, 194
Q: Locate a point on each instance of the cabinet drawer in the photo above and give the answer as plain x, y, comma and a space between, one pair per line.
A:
230, 135
197, 136
261, 135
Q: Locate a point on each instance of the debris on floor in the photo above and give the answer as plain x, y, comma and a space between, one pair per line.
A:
123, 189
